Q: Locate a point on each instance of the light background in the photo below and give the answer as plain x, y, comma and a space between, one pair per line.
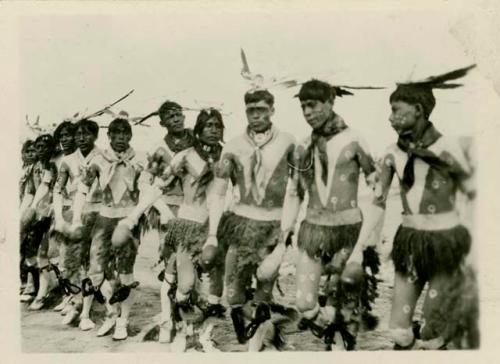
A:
61, 59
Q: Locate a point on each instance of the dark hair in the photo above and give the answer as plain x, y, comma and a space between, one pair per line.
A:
415, 94
27, 144
316, 90
168, 106
88, 125
120, 122
64, 125
49, 139
259, 95
203, 117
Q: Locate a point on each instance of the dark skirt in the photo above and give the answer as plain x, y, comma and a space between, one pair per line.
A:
321, 241
253, 239
185, 235
427, 253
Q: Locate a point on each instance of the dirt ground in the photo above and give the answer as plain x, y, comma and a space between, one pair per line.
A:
43, 332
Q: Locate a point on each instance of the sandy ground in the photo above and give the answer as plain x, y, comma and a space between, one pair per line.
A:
42, 331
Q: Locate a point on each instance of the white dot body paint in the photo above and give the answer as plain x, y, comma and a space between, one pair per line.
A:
312, 276
406, 309
309, 297
299, 293
433, 293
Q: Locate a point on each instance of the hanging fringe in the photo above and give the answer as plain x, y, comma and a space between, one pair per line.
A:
149, 221
429, 252
323, 242
249, 237
186, 234
459, 311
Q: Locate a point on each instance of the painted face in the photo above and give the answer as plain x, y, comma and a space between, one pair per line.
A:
173, 120
44, 148
259, 115
67, 141
316, 112
212, 132
30, 154
119, 138
85, 140
403, 117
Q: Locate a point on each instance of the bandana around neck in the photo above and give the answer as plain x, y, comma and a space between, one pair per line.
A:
177, 144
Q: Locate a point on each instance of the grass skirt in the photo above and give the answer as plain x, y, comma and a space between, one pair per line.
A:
254, 240
426, 253
320, 241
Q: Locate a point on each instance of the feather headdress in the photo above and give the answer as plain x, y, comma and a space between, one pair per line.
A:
420, 91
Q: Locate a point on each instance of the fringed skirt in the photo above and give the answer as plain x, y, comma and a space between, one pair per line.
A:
253, 240
321, 241
186, 235
425, 253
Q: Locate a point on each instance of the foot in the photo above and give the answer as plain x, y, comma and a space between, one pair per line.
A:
63, 304
120, 329
108, 324
86, 324
179, 343
166, 332
37, 304
70, 316
205, 339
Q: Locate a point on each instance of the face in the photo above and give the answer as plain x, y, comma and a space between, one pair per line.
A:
173, 120
119, 138
259, 115
403, 117
30, 154
67, 141
212, 132
316, 112
43, 149
84, 139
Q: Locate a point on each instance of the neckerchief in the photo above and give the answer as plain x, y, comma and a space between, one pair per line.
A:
257, 173
419, 149
125, 179
179, 144
319, 137
210, 154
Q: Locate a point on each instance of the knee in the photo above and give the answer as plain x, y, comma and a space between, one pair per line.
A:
402, 337
304, 301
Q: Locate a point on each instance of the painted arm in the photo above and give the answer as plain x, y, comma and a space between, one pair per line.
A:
374, 216
62, 180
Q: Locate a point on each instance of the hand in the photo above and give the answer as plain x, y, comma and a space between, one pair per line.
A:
209, 252
211, 240
60, 225
121, 234
75, 231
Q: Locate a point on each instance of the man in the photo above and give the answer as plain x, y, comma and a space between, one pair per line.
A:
256, 229
49, 251
111, 270
36, 212
185, 235
329, 162
431, 243
177, 139
75, 254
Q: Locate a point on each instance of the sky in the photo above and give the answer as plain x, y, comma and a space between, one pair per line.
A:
190, 53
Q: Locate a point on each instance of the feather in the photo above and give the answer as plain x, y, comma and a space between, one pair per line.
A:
245, 71
439, 81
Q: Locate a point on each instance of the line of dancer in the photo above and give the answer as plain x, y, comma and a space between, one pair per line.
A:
225, 213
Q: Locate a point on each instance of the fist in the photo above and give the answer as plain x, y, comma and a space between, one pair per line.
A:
353, 274
209, 252
270, 266
121, 235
